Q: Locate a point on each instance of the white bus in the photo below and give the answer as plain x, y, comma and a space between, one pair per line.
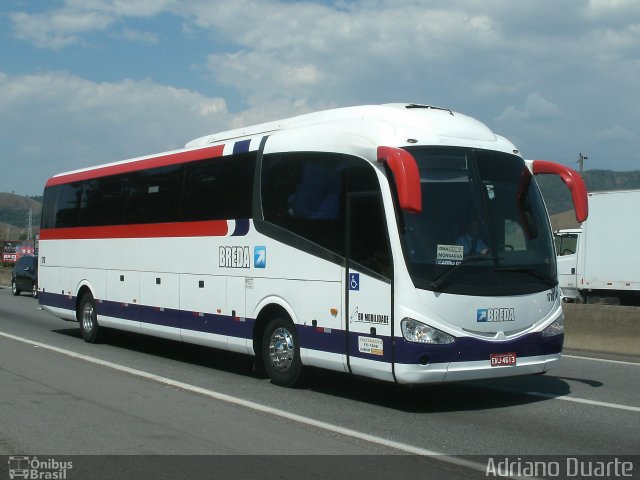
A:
340, 239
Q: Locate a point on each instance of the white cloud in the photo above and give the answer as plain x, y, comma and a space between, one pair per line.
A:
536, 109
612, 7
57, 122
124, 8
314, 55
148, 38
56, 30
61, 27
297, 30
616, 133
545, 76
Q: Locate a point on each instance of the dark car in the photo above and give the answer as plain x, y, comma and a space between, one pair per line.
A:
24, 277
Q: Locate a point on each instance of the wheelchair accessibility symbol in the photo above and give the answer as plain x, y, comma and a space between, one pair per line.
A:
354, 281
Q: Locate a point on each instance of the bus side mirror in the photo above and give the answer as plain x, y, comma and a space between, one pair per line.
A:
406, 176
572, 179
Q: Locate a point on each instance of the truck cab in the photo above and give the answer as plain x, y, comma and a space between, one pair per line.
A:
567, 244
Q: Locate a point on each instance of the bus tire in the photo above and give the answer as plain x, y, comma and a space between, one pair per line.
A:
281, 352
88, 319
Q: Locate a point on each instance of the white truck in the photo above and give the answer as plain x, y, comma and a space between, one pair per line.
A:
600, 262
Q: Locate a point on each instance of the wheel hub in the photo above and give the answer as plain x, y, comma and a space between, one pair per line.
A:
87, 317
281, 349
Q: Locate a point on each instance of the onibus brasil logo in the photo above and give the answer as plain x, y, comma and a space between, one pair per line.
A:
36, 469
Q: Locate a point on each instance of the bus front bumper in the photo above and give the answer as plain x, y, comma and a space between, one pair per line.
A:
472, 370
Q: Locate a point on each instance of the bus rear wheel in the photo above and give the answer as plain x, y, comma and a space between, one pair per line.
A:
88, 319
281, 353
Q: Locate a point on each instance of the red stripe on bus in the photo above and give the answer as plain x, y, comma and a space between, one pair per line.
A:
133, 166
214, 228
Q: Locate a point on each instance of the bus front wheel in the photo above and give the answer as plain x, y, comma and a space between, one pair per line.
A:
281, 353
88, 319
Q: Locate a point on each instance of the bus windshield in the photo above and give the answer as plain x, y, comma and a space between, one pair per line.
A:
483, 229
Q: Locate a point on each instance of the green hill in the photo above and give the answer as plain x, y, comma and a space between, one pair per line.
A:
14, 211
557, 196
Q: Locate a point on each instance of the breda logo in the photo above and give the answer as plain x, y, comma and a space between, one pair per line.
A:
495, 315
235, 257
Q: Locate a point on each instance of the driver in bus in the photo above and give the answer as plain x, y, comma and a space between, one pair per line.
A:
471, 242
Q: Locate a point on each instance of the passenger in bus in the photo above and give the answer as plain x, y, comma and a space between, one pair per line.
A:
470, 240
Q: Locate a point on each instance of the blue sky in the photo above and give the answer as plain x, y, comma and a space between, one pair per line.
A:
84, 82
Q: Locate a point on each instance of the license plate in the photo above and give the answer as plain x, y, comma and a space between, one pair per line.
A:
502, 359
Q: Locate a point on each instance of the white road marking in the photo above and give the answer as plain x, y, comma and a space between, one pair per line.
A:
403, 447
605, 360
566, 398
586, 401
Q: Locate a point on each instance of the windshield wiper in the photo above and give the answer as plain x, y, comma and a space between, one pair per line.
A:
532, 271
438, 281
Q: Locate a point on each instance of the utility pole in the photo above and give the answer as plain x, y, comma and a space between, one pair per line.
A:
581, 159
30, 225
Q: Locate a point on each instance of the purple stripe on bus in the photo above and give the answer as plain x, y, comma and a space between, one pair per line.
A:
57, 300
242, 227
241, 146
464, 349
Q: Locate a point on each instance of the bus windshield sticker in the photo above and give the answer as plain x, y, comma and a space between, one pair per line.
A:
491, 193
449, 254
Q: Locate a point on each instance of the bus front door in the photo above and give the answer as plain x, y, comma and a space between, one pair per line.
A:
368, 288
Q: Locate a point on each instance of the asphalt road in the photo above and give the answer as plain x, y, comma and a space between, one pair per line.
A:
136, 395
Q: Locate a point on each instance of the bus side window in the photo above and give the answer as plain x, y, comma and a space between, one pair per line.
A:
67, 205
102, 202
48, 219
304, 194
369, 244
151, 195
317, 193
219, 188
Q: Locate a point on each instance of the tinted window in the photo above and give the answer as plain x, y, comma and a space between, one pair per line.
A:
67, 204
305, 193
102, 202
482, 214
369, 246
153, 195
213, 189
48, 219
219, 188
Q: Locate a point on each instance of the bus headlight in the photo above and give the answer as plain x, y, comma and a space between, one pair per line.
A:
415, 331
556, 328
